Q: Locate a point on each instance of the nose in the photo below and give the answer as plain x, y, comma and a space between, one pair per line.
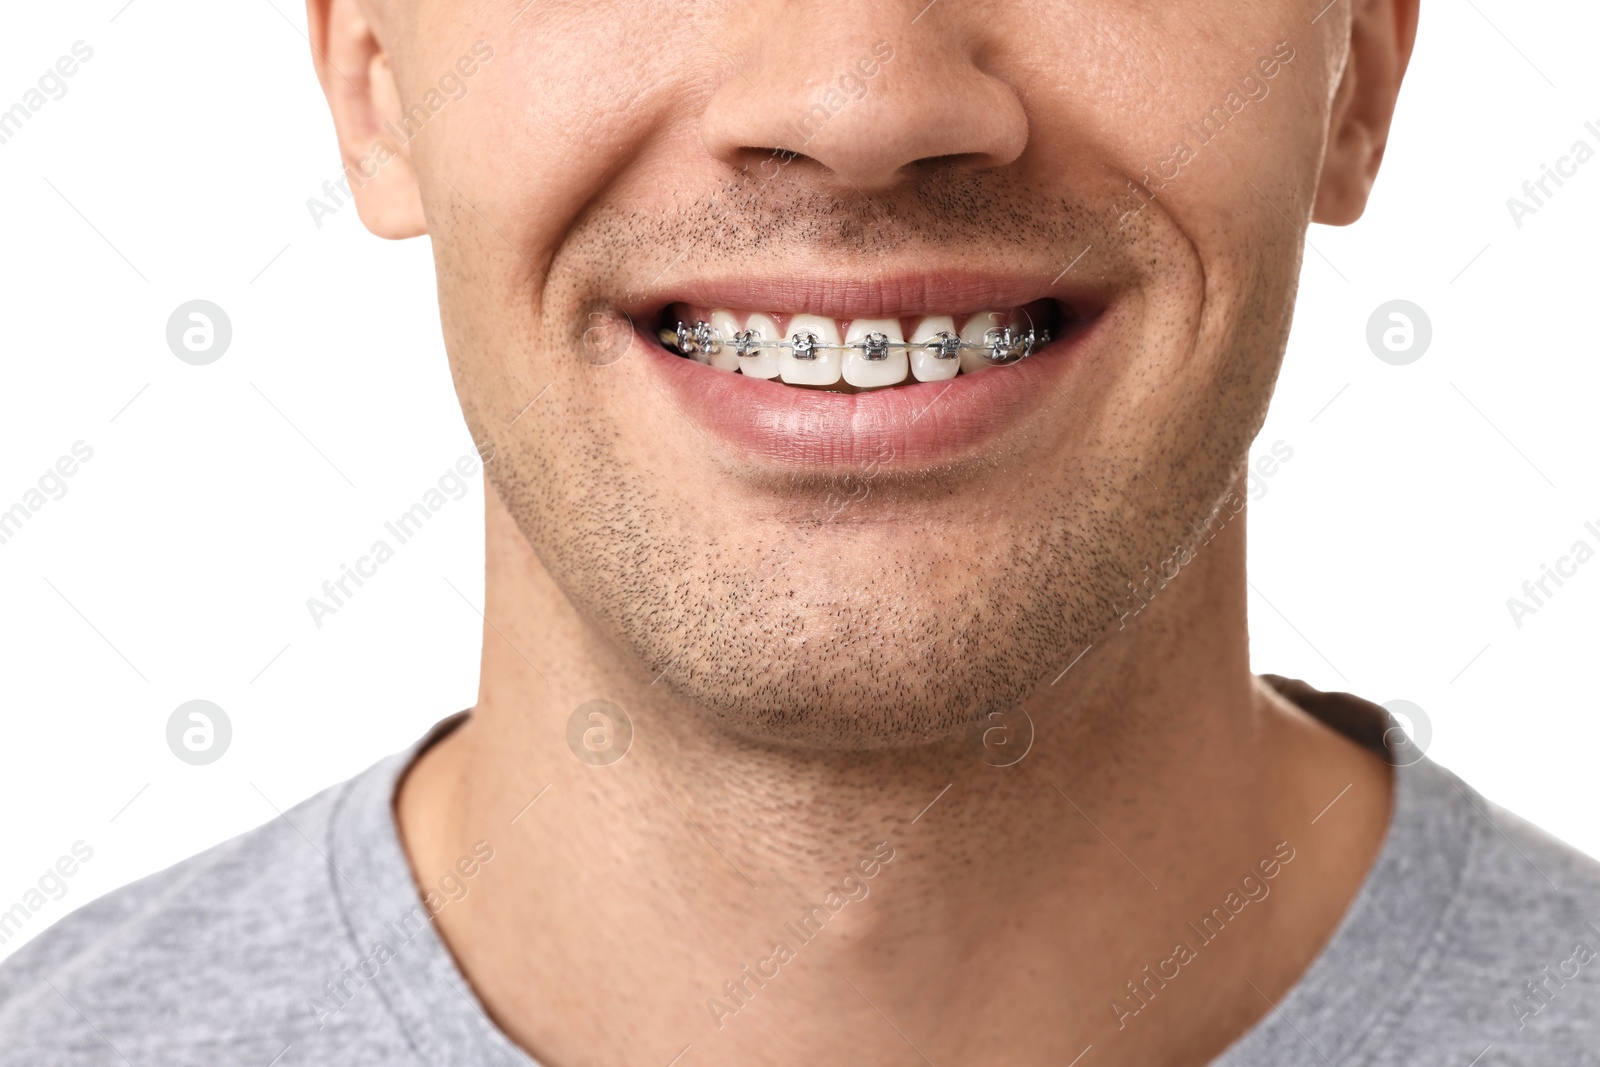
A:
863, 92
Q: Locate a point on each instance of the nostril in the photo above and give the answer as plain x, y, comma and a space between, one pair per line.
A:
916, 112
954, 161
768, 162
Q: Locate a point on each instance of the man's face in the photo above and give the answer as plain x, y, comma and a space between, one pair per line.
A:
882, 566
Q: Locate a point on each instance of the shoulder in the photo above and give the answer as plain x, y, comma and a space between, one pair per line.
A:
222, 958
1476, 938
1513, 965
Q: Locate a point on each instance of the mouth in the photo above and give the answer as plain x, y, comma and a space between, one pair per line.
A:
811, 351
824, 374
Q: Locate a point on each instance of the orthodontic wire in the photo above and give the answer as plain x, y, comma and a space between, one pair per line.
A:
1001, 344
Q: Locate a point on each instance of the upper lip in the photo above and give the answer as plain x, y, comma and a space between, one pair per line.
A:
883, 296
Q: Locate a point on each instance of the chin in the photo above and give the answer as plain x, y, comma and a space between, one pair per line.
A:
860, 676
842, 711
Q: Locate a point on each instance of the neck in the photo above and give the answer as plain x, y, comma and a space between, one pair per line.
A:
925, 902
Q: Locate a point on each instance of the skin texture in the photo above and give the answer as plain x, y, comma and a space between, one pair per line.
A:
803, 679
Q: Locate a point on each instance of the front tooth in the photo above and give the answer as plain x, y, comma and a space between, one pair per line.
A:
726, 324
826, 368
867, 373
925, 366
765, 363
973, 332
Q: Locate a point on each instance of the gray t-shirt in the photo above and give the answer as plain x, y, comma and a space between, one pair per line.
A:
1473, 943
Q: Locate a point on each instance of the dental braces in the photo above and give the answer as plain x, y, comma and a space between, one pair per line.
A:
1001, 344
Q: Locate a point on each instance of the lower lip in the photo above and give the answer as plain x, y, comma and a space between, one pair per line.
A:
921, 424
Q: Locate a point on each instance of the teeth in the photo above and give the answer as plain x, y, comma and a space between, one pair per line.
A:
973, 332
866, 373
764, 362
695, 352
726, 324
925, 366
825, 367
871, 356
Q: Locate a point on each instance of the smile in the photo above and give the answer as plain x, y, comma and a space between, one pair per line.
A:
856, 370
817, 351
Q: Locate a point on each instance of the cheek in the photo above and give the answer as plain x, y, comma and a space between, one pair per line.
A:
530, 153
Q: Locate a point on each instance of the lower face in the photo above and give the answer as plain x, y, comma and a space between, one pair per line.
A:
840, 551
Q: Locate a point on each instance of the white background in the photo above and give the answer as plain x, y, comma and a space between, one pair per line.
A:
1418, 499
